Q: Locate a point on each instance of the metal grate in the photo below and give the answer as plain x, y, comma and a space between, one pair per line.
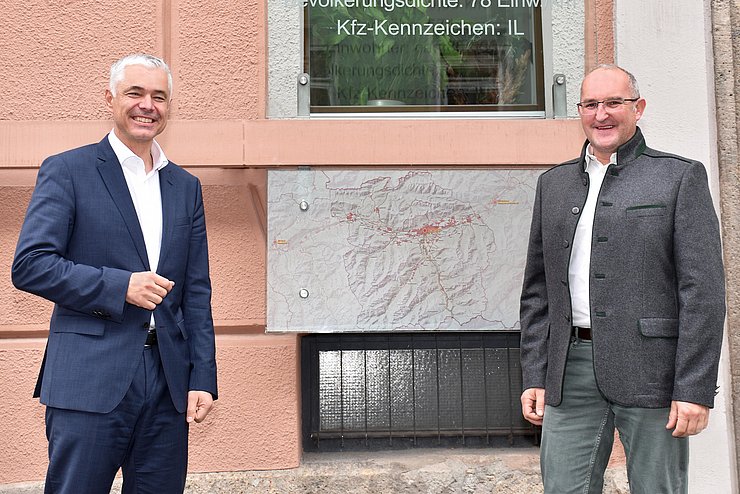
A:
410, 389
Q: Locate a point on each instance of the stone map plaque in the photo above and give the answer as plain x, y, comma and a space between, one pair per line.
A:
396, 250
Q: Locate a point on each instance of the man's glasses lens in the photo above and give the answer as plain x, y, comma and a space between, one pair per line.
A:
609, 104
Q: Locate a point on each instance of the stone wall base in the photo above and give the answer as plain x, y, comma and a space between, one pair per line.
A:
431, 471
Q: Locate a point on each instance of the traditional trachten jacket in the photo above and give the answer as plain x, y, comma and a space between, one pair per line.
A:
657, 295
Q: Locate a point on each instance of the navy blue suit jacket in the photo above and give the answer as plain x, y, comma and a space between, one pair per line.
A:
79, 244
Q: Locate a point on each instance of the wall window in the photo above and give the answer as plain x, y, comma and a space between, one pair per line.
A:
424, 55
412, 389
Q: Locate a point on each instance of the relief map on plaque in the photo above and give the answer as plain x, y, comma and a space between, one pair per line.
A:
396, 250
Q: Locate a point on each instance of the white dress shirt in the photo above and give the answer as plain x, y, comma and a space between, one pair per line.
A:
145, 194
580, 256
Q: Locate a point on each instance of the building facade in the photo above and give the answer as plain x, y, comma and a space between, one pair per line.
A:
240, 109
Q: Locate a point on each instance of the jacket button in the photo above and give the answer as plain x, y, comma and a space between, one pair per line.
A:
566, 243
575, 210
145, 325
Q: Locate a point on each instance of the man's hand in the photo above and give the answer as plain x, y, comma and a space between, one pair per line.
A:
687, 419
533, 405
147, 289
199, 404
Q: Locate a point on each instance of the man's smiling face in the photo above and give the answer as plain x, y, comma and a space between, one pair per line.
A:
606, 130
140, 106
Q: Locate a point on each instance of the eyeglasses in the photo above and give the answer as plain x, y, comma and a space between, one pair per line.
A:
589, 107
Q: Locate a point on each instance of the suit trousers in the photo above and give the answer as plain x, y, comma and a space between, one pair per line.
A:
577, 438
144, 436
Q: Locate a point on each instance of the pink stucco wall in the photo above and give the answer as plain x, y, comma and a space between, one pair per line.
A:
53, 73
599, 33
220, 45
258, 374
258, 378
55, 53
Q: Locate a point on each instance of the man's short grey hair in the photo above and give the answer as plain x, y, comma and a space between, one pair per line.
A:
117, 69
634, 88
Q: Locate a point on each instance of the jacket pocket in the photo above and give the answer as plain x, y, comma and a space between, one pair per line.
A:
658, 327
645, 210
77, 324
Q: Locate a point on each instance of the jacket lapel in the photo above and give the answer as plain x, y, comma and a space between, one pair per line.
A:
167, 187
112, 173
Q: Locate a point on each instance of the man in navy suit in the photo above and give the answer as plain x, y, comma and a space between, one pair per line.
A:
115, 236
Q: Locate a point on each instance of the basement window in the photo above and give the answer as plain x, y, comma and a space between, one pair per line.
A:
410, 389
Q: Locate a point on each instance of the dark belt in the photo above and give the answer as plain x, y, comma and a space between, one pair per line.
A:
582, 333
151, 338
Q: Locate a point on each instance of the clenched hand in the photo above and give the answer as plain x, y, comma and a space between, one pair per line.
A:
147, 289
533, 405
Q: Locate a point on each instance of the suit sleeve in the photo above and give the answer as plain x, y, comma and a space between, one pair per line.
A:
196, 305
701, 291
534, 305
40, 266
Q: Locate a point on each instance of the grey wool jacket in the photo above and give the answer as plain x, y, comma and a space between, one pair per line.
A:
657, 295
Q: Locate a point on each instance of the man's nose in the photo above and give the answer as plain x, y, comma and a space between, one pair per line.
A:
601, 112
145, 102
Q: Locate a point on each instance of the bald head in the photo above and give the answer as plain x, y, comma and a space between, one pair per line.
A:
632, 82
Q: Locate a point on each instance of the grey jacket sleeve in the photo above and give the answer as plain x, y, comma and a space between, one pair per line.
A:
534, 305
701, 290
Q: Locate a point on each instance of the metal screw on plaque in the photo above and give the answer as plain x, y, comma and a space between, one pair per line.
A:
303, 293
303, 90
303, 205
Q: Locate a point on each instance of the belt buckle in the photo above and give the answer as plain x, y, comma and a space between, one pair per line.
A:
151, 338
578, 331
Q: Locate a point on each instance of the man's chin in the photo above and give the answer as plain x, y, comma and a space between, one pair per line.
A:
606, 146
146, 135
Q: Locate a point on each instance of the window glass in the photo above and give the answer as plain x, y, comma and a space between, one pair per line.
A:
424, 55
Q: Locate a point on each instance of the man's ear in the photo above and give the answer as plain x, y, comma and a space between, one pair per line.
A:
640, 108
108, 98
